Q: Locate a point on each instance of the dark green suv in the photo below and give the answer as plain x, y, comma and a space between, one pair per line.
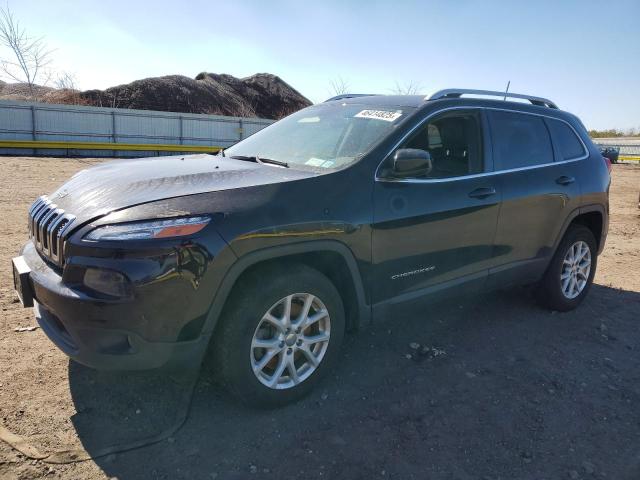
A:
268, 252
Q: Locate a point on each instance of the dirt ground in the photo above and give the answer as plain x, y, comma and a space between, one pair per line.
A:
516, 393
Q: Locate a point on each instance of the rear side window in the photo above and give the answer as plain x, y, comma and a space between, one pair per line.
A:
519, 140
569, 145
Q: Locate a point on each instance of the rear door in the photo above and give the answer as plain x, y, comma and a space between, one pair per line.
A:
540, 187
437, 230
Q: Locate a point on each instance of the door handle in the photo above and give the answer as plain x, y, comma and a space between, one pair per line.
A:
564, 180
483, 192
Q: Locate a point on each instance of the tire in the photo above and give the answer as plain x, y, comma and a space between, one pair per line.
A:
551, 291
266, 290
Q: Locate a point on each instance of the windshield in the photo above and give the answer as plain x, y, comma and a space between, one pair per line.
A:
326, 136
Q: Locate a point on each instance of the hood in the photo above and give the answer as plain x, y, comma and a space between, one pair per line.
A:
111, 186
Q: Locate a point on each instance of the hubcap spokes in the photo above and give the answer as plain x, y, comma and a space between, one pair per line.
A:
290, 341
576, 267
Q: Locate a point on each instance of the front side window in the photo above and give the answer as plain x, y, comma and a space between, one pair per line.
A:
519, 140
325, 136
454, 142
565, 138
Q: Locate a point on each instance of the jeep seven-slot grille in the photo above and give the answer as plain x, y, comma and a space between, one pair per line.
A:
47, 227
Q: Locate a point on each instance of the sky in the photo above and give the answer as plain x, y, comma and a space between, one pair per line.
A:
584, 55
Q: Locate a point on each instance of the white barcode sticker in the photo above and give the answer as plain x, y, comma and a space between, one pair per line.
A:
379, 115
314, 162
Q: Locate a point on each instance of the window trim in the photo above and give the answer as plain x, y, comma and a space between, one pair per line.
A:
379, 178
556, 145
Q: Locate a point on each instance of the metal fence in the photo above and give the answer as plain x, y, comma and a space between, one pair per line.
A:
625, 148
45, 129
628, 147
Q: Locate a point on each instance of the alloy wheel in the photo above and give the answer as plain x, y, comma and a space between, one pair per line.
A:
290, 341
576, 267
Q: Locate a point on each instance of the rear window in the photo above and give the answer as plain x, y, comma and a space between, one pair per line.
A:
519, 140
566, 140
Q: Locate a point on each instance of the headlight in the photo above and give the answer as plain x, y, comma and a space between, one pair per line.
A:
175, 227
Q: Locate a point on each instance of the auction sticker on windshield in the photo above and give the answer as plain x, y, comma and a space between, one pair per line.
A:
379, 115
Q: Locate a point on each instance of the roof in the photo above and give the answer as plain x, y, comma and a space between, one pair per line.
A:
448, 94
414, 101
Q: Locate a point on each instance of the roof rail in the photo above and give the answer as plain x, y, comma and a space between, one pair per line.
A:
350, 95
458, 92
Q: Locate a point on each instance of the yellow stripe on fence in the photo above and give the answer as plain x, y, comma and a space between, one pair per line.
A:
147, 147
150, 147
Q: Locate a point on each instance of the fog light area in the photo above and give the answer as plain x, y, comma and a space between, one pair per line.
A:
108, 282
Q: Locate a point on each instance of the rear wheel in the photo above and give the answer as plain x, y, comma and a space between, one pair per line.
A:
282, 332
570, 273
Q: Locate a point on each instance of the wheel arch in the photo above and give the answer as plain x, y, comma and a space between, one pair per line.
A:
332, 258
593, 217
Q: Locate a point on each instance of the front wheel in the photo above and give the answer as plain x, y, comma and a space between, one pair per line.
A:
571, 271
282, 332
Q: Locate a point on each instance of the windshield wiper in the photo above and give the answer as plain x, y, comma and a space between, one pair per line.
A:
273, 162
257, 159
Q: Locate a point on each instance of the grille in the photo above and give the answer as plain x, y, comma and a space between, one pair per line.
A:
48, 225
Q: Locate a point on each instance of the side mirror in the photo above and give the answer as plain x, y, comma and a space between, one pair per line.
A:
411, 162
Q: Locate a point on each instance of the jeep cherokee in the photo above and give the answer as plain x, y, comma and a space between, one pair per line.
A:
268, 251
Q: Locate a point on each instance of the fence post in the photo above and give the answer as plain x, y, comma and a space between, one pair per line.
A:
113, 131
113, 126
33, 122
181, 127
33, 126
240, 130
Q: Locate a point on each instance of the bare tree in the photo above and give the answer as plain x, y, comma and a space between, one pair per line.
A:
28, 57
65, 81
114, 100
339, 86
408, 88
107, 99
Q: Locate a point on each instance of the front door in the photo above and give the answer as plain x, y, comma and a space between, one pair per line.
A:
436, 230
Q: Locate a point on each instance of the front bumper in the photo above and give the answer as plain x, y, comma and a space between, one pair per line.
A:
116, 334
117, 349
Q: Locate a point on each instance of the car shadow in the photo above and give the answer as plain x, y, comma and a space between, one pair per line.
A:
491, 386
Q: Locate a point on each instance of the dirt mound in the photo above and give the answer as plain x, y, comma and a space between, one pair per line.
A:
261, 95
21, 91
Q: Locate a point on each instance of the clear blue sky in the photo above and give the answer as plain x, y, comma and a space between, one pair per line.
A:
585, 55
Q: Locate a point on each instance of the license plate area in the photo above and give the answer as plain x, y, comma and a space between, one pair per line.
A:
21, 282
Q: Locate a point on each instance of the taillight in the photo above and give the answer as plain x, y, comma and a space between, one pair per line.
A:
608, 163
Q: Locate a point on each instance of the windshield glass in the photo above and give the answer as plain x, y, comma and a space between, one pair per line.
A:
325, 136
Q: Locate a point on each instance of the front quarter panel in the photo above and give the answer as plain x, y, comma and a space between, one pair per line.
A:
334, 206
